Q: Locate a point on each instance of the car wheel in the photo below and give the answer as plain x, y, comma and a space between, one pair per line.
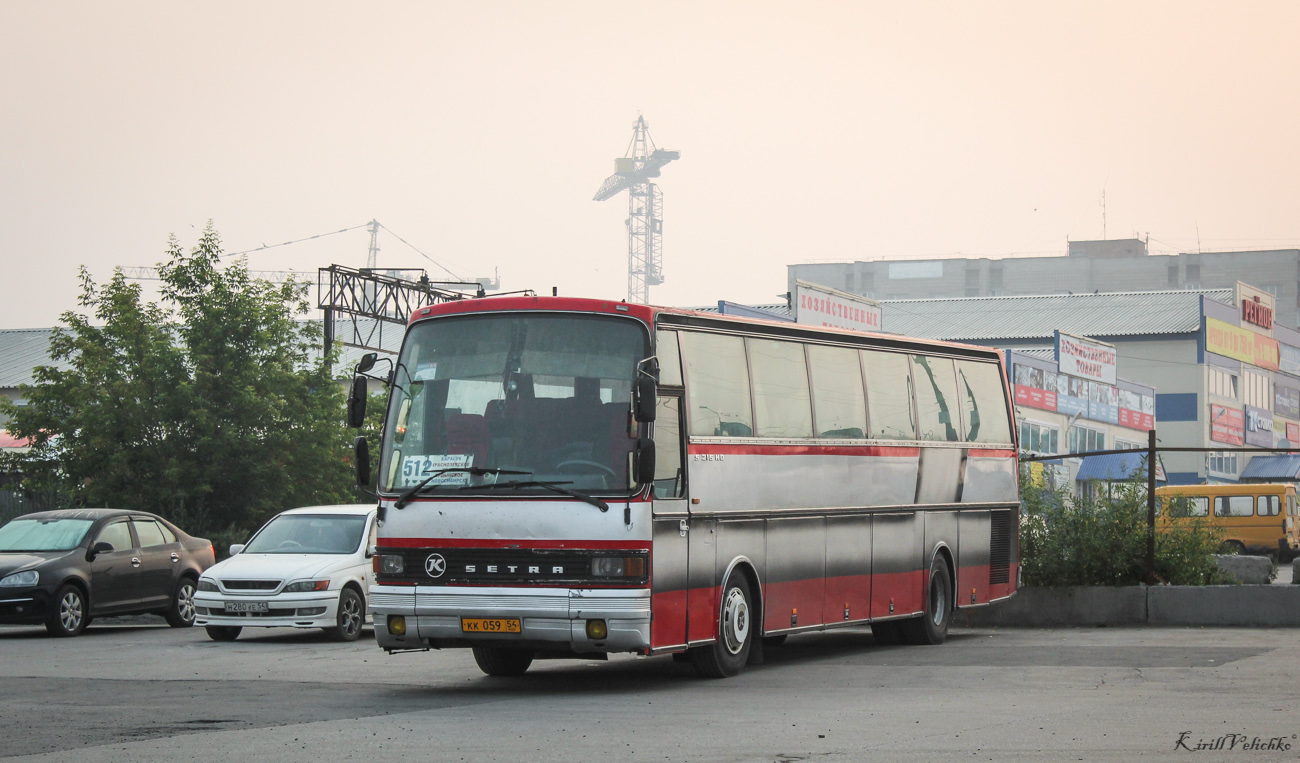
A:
351, 614
932, 627
736, 632
181, 612
497, 661
223, 632
68, 616
1233, 547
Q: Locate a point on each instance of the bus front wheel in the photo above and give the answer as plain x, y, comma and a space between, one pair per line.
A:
736, 631
932, 627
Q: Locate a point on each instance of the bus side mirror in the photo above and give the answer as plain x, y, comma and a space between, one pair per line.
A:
361, 457
643, 461
367, 362
643, 399
357, 402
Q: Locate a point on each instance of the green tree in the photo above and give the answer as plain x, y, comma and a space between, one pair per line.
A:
211, 407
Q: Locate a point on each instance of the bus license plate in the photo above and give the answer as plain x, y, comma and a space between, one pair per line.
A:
489, 625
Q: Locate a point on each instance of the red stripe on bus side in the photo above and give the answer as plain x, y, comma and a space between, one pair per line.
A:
711, 448
667, 618
621, 545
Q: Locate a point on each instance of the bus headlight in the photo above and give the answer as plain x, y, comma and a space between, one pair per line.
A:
390, 564
618, 566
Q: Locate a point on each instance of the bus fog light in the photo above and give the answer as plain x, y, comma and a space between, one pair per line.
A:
397, 625
596, 630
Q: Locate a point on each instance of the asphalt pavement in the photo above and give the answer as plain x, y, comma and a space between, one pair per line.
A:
144, 692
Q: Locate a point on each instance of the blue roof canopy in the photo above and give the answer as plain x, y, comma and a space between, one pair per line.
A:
1118, 466
1281, 467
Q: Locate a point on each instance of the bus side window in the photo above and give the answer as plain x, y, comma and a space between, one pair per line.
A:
718, 377
670, 472
1233, 506
781, 400
670, 359
984, 402
936, 398
840, 405
889, 395
1267, 505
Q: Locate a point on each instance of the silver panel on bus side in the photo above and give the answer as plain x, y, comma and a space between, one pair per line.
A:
759, 482
989, 479
975, 528
940, 475
848, 568
796, 571
896, 554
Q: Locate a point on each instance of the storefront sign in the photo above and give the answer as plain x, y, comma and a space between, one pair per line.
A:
1256, 308
1240, 344
1293, 432
1136, 411
1259, 427
1227, 425
1035, 398
1289, 359
816, 305
1286, 402
1086, 358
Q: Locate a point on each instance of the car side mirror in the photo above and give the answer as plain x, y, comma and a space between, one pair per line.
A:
643, 399
235, 548
357, 402
643, 461
100, 547
361, 458
370, 551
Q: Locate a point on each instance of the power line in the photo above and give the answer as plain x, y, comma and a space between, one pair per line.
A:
295, 241
422, 254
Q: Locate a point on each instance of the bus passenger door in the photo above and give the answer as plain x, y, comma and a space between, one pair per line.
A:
671, 523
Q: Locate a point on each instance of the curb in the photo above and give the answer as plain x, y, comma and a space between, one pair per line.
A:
1269, 606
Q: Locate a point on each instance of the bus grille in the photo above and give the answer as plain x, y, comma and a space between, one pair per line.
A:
1000, 548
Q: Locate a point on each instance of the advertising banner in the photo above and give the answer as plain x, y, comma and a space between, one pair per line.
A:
1293, 432
816, 305
1240, 344
1289, 360
1256, 308
1086, 358
1259, 427
1286, 402
1035, 398
1227, 425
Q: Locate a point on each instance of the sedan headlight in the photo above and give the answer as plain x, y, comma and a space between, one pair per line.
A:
303, 586
208, 585
30, 577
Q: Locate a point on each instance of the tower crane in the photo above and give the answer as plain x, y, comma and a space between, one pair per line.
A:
632, 172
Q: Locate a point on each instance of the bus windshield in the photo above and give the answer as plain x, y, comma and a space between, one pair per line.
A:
546, 395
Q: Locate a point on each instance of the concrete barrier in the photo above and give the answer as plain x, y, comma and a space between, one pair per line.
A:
1234, 605
1295, 570
1253, 570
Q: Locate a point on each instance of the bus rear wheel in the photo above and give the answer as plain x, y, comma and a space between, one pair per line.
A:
497, 661
726, 657
932, 627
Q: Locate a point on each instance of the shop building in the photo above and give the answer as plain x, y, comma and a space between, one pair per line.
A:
1224, 372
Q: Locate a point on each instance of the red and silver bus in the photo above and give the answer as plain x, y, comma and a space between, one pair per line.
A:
573, 477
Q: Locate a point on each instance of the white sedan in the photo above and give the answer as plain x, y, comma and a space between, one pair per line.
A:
306, 568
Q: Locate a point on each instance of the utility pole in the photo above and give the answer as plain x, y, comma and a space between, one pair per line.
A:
372, 258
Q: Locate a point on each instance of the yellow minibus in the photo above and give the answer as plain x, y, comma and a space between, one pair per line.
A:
1254, 518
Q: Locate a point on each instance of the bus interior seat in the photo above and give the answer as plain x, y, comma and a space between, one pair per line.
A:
467, 433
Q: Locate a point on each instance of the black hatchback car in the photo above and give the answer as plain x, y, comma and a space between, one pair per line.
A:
64, 568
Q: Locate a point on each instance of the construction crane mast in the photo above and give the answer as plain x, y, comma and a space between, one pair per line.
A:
632, 172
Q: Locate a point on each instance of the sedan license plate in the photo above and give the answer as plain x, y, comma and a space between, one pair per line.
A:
489, 625
247, 606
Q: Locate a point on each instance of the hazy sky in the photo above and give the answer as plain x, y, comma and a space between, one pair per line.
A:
479, 132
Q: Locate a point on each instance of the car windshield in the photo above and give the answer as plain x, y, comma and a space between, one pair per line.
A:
308, 534
43, 534
541, 395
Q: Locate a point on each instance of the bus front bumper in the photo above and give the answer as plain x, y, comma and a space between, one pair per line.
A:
549, 618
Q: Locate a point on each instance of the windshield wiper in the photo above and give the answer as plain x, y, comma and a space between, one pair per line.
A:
477, 471
552, 486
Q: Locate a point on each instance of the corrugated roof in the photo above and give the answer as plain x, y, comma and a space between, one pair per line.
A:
1114, 314
21, 350
1282, 467
780, 309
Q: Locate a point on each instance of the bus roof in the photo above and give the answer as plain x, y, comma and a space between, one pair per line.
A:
649, 314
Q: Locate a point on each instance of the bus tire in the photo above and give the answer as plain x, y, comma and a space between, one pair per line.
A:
727, 656
932, 627
498, 661
1232, 547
